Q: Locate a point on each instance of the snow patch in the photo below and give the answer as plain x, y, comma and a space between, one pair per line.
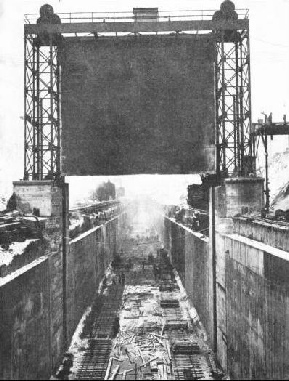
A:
21, 271
16, 248
78, 345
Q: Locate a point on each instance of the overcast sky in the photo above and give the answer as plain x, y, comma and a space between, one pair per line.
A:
269, 36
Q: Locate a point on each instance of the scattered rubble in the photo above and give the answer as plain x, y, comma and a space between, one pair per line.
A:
141, 325
20, 240
83, 219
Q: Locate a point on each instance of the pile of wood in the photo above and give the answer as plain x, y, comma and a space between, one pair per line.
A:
15, 228
170, 303
185, 347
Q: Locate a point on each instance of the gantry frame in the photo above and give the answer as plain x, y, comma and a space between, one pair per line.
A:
42, 109
263, 130
232, 89
233, 104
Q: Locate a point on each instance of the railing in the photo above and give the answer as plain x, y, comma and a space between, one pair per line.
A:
163, 16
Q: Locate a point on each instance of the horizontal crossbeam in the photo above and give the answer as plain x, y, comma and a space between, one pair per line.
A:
137, 27
270, 129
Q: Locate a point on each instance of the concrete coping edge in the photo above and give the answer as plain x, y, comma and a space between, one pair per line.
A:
235, 180
33, 182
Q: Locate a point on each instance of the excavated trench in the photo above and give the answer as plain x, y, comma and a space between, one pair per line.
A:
141, 325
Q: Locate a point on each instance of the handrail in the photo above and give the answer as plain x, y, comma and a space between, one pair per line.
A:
128, 16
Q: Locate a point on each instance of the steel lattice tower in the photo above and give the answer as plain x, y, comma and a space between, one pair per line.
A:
233, 103
42, 109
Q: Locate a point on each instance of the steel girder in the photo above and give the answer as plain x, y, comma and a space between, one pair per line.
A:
233, 104
42, 109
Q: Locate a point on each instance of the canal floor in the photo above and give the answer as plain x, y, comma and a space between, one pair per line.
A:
141, 325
